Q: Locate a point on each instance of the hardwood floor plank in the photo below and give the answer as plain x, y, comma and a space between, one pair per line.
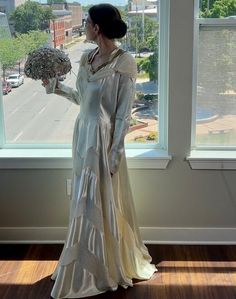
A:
184, 272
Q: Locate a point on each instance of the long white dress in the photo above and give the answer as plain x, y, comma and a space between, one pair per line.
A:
103, 248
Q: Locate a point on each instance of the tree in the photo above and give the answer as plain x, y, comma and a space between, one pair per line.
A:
4, 33
31, 16
149, 43
223, 8
13, 50
217, 8
139, 39
10, 52
56, 1
150, 66
205, 6
32, 40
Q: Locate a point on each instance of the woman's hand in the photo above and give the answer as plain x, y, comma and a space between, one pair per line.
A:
50, 85
45, 82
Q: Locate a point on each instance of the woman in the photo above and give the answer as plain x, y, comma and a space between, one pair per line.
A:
103, 248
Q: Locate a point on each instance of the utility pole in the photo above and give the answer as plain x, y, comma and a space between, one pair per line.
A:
136, 31
143, 8
54, 33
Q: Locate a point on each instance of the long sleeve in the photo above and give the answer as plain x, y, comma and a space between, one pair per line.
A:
68, 93
122, 120
65, 91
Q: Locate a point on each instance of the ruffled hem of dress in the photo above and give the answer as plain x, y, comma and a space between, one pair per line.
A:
103, 248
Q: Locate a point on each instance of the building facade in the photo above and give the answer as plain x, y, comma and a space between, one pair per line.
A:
7, 6
76, 13
61, 28
149, 8
4, 26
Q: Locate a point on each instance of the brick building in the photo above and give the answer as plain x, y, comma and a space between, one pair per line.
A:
7, 6
76, 13
61, 28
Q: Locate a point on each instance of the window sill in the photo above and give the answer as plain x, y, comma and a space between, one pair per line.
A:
61, 159
213, 160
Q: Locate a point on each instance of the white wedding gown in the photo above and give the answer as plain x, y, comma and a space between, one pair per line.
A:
103, 248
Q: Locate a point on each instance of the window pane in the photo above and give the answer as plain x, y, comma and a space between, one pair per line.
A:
216, 87
217, 8
32, 117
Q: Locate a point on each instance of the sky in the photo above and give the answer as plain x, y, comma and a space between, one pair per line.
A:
88, 2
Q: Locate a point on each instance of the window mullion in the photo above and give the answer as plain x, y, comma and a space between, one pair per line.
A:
195, 67
2, 124
163, 71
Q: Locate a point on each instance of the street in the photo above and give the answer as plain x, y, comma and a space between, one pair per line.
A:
32, 116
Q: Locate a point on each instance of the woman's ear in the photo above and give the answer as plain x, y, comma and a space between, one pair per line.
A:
96, 28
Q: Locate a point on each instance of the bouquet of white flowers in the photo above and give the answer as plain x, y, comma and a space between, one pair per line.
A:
46, 63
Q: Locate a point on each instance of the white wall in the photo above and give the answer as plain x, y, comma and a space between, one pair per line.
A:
175, 205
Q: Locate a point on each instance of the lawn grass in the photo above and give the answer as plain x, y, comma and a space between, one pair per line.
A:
143, 75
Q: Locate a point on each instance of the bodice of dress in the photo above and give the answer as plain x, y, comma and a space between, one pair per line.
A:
106, 96
99, 91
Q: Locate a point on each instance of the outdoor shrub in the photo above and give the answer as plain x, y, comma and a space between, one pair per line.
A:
152, 136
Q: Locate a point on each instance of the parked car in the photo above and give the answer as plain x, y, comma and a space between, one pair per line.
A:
15, 80
6, 87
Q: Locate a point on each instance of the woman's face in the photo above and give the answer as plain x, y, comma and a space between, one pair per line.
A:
90, 30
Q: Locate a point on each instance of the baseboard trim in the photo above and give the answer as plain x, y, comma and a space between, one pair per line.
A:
188, 235
34, 235
150, 235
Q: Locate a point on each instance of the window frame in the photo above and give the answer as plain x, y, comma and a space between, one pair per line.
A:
197, 24
138, 155
207, 157
162, 91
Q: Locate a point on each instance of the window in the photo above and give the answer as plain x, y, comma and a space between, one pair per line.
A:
32, 118
214, 109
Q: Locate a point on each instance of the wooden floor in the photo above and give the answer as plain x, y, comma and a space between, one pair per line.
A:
185, 272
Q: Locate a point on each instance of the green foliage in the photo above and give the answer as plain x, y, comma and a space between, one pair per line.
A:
140, 40
13, 50
32, 40
133, 121
153, 136
10, 52
205, 6
4, 33
139, 95
217, 8
223, 8
140, 138
55, 1
31, 16
150, 65
150, 98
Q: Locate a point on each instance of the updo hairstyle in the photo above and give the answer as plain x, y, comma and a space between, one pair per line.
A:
108, 18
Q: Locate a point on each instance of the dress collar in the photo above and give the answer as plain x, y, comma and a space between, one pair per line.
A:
116, 52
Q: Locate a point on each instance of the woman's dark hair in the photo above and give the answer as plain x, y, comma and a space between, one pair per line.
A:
108, 18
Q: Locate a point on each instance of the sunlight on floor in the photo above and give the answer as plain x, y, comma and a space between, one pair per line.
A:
25, 272
196, 273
